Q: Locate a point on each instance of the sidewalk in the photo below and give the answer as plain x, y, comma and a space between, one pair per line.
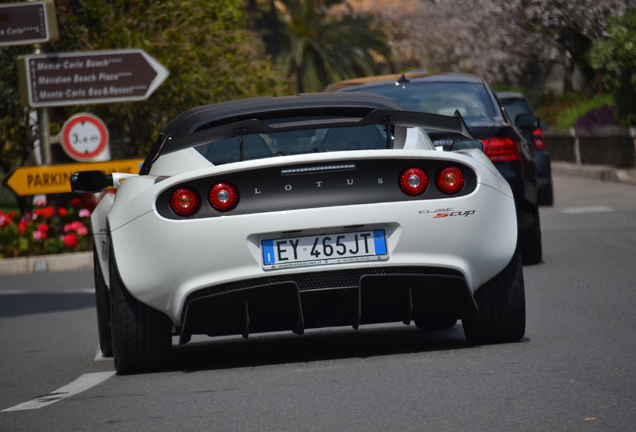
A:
75, 261
44, 263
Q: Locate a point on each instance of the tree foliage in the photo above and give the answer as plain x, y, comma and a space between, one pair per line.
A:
317, 42
614, 58
571, 27
15, 136
505, 40
203, 43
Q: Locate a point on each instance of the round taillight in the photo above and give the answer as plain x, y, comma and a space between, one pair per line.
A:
538, 140
223, 196
413, 181
450, 180
184, 201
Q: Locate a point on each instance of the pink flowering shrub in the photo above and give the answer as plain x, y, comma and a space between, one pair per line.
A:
47, 230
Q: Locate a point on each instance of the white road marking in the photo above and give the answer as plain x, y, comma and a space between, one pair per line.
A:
99, 356
40, 291
588, 209
81, 384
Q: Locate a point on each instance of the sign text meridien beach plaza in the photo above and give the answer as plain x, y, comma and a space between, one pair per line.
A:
88, 77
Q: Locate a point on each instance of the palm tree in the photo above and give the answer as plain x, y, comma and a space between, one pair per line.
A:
322, 41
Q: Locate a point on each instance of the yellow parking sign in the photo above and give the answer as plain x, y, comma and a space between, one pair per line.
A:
50, 179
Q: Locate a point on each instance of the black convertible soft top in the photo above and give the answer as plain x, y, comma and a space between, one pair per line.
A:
216, 114
222, 120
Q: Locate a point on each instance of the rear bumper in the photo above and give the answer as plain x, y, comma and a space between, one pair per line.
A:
190, 257
327, 299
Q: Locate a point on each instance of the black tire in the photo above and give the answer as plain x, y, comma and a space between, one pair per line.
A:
545, 195
530, 241
502, 308
434, 322
142, 336
102, 301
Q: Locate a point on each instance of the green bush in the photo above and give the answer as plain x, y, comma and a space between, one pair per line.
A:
614, 58
569, 115
563, 113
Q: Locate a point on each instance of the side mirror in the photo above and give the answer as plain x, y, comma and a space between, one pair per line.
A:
527, 123
467, 144
90, 181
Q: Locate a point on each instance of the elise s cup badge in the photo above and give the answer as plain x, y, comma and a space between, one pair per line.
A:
447, 212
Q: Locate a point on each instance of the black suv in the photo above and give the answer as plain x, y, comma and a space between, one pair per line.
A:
486, 120
517, 105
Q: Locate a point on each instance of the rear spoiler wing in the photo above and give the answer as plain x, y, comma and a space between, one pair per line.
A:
165, 144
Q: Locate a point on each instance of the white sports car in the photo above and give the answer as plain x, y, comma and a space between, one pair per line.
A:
293, 213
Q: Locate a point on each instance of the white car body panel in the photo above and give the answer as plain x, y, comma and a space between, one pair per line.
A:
178, 257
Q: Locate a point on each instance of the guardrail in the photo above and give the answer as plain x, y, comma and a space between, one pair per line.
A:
610, 146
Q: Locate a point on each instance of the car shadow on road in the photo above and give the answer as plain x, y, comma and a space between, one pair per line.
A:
31, 304
318, 345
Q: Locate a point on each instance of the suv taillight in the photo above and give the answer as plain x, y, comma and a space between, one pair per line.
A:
501, 149
538, 141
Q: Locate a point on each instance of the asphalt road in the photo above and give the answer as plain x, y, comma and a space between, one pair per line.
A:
574, 370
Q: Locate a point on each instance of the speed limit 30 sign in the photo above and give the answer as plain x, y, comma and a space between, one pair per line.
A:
84, 137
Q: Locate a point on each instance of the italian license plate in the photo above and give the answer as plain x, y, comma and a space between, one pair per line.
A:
324, 249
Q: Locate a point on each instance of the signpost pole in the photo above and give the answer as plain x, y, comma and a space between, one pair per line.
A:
44, 126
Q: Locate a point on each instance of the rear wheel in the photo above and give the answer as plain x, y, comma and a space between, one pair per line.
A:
545, 195
502, 308
102, 300
530, 240
142, 336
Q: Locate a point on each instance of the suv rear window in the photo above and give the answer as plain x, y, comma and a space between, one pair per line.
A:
444, 98
514, 107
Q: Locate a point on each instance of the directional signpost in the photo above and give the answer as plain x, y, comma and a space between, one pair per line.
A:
50, 179
64, 79
51, 80
28, 23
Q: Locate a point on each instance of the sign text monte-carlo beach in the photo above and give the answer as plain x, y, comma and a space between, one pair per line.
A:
81, 78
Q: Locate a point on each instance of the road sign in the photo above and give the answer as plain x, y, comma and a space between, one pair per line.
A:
84, 137
49, 179
81, 78
28, 23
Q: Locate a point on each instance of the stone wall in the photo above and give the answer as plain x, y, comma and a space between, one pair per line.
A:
611, 146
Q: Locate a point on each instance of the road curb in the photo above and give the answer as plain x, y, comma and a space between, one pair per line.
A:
595, 172
44, 263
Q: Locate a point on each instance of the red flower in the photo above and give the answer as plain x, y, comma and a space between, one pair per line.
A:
22, 226
90, 202
70, 240
45, 212
62, 212
76, 226
77, 203
5, 220
39, 235
43, 227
